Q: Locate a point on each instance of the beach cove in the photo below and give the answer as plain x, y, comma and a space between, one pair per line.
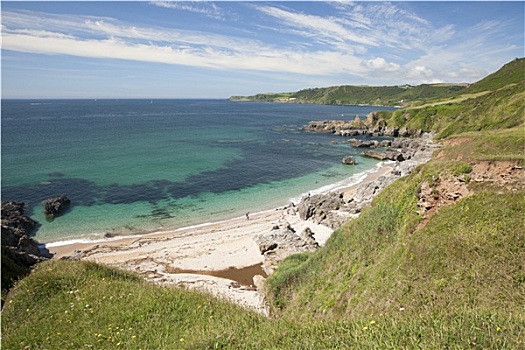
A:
199, 184
223, 258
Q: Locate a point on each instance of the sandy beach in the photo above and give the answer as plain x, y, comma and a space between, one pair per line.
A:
221, 258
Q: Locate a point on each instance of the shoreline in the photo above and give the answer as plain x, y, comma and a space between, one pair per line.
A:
66, 248
217, 257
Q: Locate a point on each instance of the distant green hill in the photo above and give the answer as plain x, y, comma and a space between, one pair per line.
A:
510, 73
403, 95
355, 95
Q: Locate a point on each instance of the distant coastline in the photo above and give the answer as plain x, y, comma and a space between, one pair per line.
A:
349, 95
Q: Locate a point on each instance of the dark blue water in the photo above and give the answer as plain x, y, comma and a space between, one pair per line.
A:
140, 165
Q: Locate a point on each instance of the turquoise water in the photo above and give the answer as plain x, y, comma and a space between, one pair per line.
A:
135, 166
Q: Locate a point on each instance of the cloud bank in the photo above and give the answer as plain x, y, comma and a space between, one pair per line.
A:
369, 40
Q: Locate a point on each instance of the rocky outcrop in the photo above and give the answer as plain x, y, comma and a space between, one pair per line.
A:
282, 241
333, 210
318, 207
55, 206
19, 251
371, 126
349, 160
385, 155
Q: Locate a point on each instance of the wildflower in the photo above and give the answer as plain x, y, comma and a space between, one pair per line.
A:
372, 322
498, 329
365, 328
181, 340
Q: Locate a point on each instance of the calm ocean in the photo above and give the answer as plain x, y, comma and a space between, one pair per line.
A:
135, 166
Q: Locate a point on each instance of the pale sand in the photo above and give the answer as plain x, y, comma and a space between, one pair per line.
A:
162, 256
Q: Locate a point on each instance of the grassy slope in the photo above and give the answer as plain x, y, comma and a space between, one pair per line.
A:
373, 95
467, 257
76, 305
495, 102
467, 262
378, 283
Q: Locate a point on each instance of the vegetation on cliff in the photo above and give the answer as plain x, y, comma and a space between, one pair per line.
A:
436, 262
355, 95
495, 102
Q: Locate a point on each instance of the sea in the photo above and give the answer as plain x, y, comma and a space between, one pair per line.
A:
138, 166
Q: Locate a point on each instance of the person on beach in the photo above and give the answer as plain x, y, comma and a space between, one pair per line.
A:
248, 216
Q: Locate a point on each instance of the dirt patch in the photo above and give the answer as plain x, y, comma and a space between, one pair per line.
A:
507, 175
443, 193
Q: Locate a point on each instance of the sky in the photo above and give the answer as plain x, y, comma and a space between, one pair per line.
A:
160, 49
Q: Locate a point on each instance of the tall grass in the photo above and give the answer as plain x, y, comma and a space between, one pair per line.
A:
77, 305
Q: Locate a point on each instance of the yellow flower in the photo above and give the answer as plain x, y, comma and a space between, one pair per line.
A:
365, 328
498, 329
372, 322
181, 340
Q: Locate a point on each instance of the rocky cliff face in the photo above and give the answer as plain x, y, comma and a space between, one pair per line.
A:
371, 126
19, 251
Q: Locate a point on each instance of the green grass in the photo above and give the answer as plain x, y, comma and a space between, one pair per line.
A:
372, 95
510, 73
77, 305
498, 145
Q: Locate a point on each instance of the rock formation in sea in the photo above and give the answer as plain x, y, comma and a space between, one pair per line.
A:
55, 206
373, 125
349, 160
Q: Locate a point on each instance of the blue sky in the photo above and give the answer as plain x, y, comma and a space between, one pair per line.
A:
159, 49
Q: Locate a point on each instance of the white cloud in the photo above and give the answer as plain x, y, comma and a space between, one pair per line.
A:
379, 64
266, 59
313, 25
373, 41
201, 7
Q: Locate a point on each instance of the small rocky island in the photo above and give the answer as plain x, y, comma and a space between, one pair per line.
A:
55, 206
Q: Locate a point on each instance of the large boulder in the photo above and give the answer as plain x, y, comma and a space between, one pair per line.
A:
319, 206
349, 160
356, 143
282, 241
55, 206
384, 155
